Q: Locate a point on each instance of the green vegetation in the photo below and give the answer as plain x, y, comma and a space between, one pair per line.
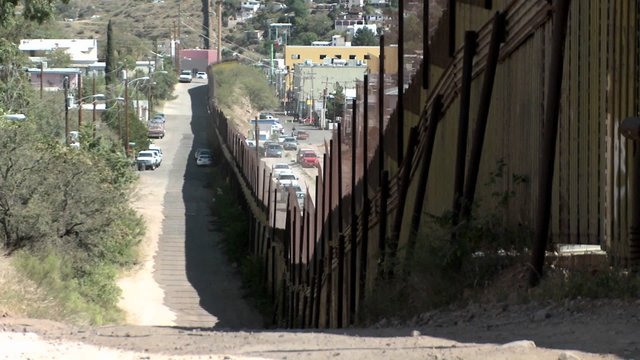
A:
64, 213
32, 10
233, 80
364, 37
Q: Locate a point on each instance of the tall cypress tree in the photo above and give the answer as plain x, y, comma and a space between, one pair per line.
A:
109, 65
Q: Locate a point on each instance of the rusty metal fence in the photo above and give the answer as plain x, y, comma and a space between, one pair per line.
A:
372, 195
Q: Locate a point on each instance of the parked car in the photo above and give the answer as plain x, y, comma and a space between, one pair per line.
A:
158, 154
146, 160
158, 118
204, 159
300, 195
290, 143
301, 152
286, 178
278, 168
301, 135
309, 159
201, 75
185, 76
201, 151
274, 150
156, 130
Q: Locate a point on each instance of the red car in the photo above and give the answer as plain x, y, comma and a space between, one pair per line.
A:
309, 159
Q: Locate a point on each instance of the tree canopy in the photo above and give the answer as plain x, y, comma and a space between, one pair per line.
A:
364, 37
33, 10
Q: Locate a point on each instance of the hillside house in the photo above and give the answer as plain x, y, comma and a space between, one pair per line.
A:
83, 52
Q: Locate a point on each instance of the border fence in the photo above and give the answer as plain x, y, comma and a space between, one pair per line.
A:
542, 86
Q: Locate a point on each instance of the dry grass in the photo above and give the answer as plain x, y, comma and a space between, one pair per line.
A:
140, 19
21, 297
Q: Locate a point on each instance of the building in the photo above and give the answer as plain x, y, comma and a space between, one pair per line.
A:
197, 59
345, 21
83, 52
295, 54
312, 83
249, 8
53, 78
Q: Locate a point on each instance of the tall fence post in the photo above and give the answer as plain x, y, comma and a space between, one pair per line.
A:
382, 222
341, 239
497, 37
315, 303
364, 247
329, 298
550, 134
470, 45
354, 219
405, 178
381, 145
426, 59
400, 103
423, 179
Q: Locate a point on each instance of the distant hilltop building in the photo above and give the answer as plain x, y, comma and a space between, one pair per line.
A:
83, 52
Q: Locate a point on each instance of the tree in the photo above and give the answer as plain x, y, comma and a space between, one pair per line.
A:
110, 61
299, 7
364, 37
336, 102
33, 10
58, 58
15, 88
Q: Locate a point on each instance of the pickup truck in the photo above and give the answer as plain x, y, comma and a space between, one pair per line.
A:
147, 160
286, 178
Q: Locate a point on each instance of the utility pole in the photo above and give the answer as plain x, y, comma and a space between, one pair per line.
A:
219, 31
79, 101
209, 39
126, 115
65, 84
94, 105
175, 47
41, 78
179, 34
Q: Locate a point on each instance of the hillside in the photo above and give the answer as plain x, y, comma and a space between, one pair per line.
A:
137, 22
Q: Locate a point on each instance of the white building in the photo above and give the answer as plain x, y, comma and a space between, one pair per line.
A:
83, 52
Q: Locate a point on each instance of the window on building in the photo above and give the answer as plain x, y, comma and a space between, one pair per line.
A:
337, 56
367, 57
352, 57
322, 56
295, 56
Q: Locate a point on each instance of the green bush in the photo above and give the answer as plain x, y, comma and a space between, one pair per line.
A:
88, 298
233, 80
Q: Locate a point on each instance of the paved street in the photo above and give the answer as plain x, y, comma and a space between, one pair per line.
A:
200, 286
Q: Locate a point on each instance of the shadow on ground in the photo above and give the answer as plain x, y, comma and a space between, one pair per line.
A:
208, 270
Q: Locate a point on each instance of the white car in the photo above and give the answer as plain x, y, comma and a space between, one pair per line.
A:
204, 160
278, 168
185, 76
147, 160
158, 153
286, 178
201, 75
201, 151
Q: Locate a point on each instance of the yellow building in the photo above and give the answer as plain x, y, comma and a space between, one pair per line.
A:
369, 55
